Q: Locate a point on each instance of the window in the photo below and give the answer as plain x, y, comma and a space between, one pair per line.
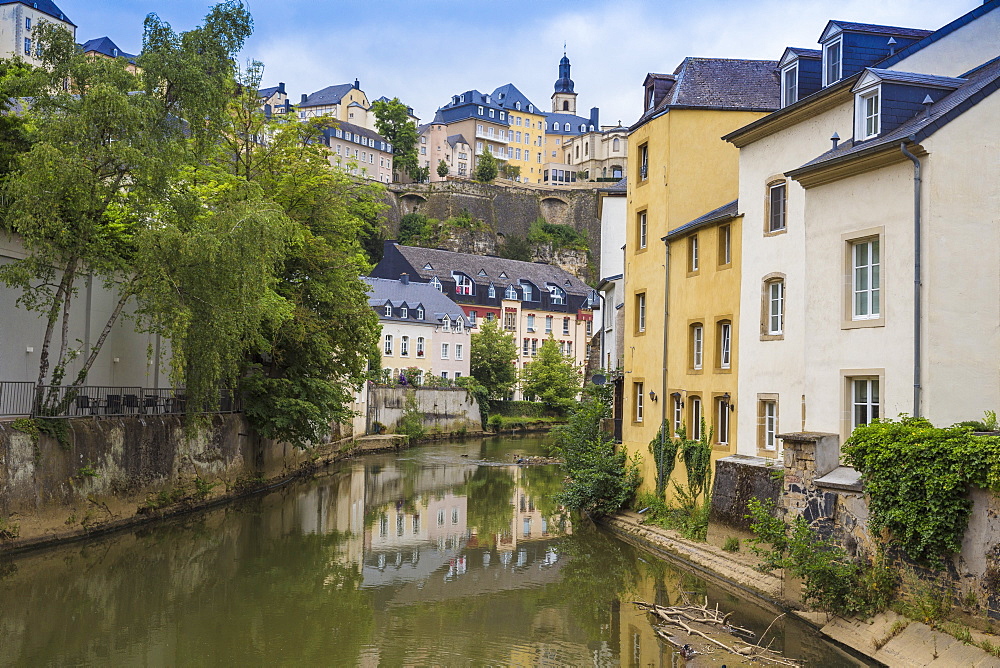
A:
404, 312
776, 207
444, 374
556, 295
458, 351
616, 144
866, 280
529, 294
437, 284
640, 312
472, 318
534, 347
463, 285
790, 85
509, 321
510, 293
775, 307
388, 344
725, 344
27, 46
420, 313
693, 253
479, 110
444, 353
678, 415
864, 401
492, 292
695, 430
642, 230
725, 245
721, 421
590, 328
420, 346
767, 423
565, 326
459, 325
868, 114
697, 346
404, 346
831, 62
637, 393
388, 311
548, 324
643, 162
524, 347
531, 322
27, 25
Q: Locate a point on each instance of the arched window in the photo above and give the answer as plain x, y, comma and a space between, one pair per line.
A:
555, 126
517, 105
583, 128
616, 144
463, 284
565, 105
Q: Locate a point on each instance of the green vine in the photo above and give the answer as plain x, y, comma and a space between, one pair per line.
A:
918, 478
697, 456
26, 426
664, 451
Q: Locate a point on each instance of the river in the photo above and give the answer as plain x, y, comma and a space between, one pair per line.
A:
446, 554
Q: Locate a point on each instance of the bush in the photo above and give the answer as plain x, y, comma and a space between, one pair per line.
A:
520, 409
831, 579
412, 422
559, 236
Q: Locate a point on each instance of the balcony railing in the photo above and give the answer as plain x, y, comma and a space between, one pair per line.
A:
18, 399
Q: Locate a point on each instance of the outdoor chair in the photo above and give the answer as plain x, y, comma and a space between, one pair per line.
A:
131, 402
113, 404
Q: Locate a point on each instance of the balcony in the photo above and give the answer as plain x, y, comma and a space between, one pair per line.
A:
61, 401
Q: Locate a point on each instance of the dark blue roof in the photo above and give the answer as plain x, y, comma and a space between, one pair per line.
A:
44, 6
436, 304
105, 46
573, 120
872, 28
508, 96
564, 84
466, 105
328, 95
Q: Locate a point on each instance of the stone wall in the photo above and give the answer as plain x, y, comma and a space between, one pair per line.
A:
831, 498
444, 410
739, 478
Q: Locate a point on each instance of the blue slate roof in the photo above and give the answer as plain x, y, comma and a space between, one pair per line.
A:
267, 92
105, 46
326, 96
508, 95
457, 139
436, 304
44, 6
724, 212
871, 28
943, 31
620, 187
915, 78
563, 120
981, 82
356, 131
805, 53
466, 105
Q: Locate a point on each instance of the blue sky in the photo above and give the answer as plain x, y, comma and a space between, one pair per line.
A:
423, 52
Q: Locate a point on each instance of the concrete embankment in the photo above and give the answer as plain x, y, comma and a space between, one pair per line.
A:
887, 638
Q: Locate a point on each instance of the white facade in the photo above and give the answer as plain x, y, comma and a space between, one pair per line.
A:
17, 23
612, 285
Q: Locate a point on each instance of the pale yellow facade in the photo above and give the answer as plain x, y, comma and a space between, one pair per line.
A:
525, 144
680, 169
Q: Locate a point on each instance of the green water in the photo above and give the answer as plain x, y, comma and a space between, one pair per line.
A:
444, 555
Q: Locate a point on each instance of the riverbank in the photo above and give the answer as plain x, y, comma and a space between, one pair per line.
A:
887, 637
99, 514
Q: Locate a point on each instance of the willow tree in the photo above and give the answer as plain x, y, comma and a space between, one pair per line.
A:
306, 370
98, 180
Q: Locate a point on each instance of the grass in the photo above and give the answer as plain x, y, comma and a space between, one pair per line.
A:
732, 544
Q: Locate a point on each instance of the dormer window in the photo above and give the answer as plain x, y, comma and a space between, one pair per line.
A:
832, 60
462, 98
437, 284
492, 292
556, 295
492, 113
459, 326
446, 324
511, 293
869, 106
427, 267
528, 293
463, 284
482, 272
503, 114
517, 105
503, 274
404, 312
531, 108
420, 313
790, 84
388, 310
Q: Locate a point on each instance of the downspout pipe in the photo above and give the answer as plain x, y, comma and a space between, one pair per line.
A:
916, 276
663, 379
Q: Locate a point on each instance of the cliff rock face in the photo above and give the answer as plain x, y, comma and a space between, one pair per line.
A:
506, 210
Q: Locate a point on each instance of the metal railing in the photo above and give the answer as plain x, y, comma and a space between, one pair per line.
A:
18, 399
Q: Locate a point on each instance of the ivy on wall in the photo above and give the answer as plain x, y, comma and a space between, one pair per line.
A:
917, 477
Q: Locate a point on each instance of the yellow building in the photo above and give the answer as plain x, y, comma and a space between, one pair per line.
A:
526, 134
681, 169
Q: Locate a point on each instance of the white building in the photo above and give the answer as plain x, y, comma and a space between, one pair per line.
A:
612, 206
18, 21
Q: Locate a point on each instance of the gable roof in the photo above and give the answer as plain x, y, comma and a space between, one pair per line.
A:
104, 46
436, 304
910, 78
722, 84
325, 96
331, 132
981, 82
943, 31
871, 28
445, 262
265, 93
508, 94
618, 188
44, 6
457, 139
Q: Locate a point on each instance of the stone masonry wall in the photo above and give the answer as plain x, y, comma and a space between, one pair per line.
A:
739, 478
444, 410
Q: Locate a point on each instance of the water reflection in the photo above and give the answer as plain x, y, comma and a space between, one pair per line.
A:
447, 555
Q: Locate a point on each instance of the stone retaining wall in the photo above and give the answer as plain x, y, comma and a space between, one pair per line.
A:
739, 478
444, 410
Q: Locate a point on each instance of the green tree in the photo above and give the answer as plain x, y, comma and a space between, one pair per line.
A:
413, 229
552, 377
509, 171
392, 120
516, 247
105, 180
493, 359
486, 167
442, 169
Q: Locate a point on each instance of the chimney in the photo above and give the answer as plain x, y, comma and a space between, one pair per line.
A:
304, 98
892, 46
928, 101
836, 140
357, 84
404, 278
595, 115
281, 87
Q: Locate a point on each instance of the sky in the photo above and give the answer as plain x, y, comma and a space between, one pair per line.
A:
425, 51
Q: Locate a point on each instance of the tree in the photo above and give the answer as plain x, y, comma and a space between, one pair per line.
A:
552, 377
414, 228
486, 167
105, 177
442, 168
392, 120
509, 171
421, 174
493, 360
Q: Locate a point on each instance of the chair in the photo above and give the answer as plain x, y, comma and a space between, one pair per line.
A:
151, 403
113, 404
83, 404
131, 402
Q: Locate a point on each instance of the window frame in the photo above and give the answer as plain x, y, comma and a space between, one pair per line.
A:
767, 332
696, 411
873, 275
387, 345
725, 239
868, 124
404, 346
725, 344
643, 229
444, 351
693, 259
643, 163
723, 422
780, 213
638, 387
767, 423
640, 312
696, 360
838, 42
790, 95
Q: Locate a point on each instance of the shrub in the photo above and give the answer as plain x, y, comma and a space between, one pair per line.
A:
732, 544
412, 422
